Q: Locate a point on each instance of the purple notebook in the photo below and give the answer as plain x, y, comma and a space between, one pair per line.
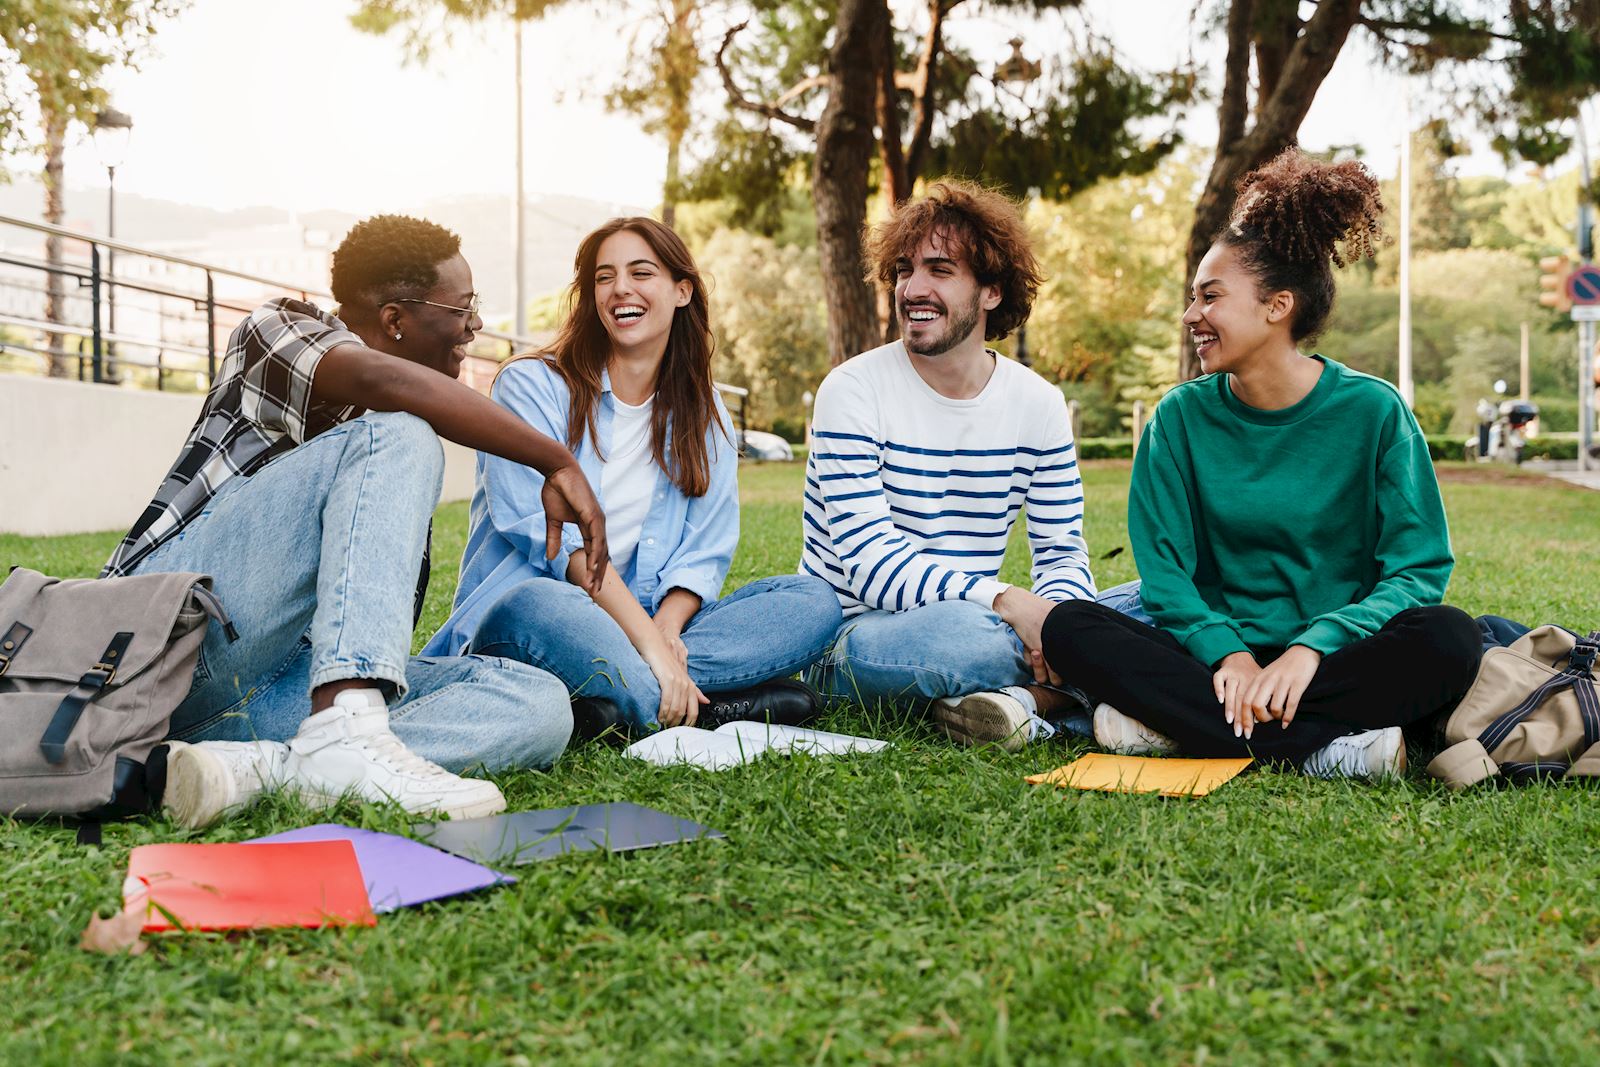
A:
400, 872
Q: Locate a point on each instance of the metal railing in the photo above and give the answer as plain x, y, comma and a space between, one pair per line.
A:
61, 314
176, 312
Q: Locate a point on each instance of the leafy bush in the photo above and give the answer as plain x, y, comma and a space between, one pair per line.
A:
1453, 447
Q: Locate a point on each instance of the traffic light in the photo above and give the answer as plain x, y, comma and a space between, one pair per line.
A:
1553, 283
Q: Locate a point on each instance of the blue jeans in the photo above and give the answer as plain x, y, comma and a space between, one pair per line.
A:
948, 649
316, 557
768, 629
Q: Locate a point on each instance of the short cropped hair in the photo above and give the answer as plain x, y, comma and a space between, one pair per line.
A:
390, 257
984, 226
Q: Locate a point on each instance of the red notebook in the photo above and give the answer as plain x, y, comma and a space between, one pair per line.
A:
247, 886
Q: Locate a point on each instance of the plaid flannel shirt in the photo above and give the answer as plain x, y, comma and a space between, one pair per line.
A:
259, 407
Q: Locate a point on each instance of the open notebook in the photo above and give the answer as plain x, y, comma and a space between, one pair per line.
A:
735, 743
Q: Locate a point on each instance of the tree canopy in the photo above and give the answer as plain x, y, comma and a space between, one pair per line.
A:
1520, 70
53, 55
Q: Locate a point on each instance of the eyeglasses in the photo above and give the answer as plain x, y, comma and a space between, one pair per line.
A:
474, 306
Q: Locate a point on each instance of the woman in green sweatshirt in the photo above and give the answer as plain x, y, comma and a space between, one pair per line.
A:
1285, 518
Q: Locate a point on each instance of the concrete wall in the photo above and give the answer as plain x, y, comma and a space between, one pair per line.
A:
78, 458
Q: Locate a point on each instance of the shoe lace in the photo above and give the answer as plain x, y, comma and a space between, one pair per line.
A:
390, 750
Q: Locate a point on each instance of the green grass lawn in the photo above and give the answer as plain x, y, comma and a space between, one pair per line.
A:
921, 905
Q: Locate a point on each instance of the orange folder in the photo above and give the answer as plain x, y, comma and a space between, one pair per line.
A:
247, 886
1169, 776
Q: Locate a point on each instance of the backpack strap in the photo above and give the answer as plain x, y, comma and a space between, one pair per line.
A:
1588, 694
1578, 676
12, 643
54, 742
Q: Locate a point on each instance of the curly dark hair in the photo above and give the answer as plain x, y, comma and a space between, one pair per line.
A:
388, 257
984, 225
1295, 219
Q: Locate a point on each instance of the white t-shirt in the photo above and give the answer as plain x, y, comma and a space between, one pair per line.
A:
627, 480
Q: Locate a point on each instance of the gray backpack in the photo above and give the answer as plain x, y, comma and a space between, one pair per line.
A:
90, 673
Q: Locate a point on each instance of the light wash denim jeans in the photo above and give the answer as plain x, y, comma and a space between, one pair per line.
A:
768, 629
316, 556
948, 649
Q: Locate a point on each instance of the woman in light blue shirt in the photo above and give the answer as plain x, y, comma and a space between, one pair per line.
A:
628, 385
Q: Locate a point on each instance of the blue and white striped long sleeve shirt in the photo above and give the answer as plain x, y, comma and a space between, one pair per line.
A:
910, 496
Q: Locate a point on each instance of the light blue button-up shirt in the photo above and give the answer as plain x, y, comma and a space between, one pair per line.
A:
685, 543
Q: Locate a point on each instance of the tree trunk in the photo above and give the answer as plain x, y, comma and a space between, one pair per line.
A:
926, 103
669, 187
891, 147
681, 63
1277, 125
839, 182
55, 298
892, 156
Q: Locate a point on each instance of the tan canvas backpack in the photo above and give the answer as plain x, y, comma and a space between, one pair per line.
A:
1533, 711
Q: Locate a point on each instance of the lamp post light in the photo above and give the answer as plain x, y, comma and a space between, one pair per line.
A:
112, 131
1016, 74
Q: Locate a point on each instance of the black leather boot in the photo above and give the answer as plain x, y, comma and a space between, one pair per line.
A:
783, 701
598, 719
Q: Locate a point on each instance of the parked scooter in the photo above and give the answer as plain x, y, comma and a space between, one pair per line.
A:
1502, 432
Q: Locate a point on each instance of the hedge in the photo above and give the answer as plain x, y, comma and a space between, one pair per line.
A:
1453, 446
1440, 446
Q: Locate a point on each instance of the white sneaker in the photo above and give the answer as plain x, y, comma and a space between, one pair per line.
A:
1371, 754
1116, 732
984, 719
210, 779
349, 749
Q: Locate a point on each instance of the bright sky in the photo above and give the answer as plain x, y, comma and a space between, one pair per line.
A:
281, 102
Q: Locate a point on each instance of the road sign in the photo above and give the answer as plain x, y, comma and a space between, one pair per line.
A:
1583, 284
1586, 312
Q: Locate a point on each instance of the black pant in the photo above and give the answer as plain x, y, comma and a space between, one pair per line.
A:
1419, 664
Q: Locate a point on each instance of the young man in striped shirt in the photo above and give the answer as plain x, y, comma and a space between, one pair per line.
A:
925, 452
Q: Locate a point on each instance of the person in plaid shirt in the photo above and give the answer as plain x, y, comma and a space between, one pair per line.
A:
306, 489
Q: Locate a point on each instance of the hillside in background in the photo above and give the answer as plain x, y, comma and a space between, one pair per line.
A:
554, 225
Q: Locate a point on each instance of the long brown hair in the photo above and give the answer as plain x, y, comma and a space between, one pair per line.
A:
685, 396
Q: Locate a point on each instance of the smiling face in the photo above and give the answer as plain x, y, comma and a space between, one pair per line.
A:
939, 300
634, 295
1228, 318
438, 337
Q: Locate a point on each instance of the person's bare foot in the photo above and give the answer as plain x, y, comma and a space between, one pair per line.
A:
1047, 700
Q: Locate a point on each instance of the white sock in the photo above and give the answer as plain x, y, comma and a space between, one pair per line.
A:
1039, 729
1024, 696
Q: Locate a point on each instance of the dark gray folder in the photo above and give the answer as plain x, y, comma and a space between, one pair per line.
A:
530, 836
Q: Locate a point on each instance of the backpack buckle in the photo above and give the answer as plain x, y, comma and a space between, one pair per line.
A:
11, 643
1581, 661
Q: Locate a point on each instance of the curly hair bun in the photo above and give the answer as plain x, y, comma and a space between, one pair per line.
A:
1305, 210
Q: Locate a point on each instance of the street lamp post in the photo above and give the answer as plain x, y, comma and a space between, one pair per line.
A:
112, 130
520, 318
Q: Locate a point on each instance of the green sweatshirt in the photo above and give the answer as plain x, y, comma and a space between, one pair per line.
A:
1311, 525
